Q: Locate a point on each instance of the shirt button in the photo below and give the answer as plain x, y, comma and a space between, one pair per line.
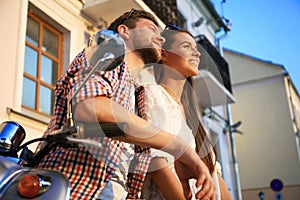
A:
111, 165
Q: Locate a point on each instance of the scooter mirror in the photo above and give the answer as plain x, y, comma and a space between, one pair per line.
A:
12, 135
106, 46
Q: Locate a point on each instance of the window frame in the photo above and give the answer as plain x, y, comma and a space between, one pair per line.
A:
39, 48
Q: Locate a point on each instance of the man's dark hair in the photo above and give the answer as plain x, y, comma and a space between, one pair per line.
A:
130, 18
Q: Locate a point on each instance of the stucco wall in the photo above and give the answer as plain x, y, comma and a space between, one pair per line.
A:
267, 149
13, 20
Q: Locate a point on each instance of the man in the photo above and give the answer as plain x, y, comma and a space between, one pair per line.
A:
108, 98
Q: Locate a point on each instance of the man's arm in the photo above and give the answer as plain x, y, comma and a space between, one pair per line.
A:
140, 132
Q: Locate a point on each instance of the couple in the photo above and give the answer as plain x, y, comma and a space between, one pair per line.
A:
108, 97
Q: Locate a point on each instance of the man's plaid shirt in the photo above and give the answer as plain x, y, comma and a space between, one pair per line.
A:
89, 172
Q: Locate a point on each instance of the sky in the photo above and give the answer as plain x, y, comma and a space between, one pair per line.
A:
265, 29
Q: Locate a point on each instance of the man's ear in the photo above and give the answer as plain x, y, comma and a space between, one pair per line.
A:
123, 31
164, 55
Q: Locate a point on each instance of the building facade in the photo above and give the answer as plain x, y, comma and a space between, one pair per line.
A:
267, 103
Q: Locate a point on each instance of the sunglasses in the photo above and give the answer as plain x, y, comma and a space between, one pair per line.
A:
169, 27
172, 27
127, 16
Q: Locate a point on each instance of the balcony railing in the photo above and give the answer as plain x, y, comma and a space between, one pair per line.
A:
221, 71
166, 10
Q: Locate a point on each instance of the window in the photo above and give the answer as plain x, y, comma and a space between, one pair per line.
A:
42, 65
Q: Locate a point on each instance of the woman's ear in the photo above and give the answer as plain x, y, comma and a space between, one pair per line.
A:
164, 55
123, 31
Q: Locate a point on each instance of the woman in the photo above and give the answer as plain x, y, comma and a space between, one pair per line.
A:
170, 104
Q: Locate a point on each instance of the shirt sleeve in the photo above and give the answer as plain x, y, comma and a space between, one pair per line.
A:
100, 83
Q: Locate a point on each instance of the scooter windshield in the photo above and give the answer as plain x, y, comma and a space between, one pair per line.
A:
104, 52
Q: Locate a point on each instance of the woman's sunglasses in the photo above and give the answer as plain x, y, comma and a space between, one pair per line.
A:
168, 28
172, 27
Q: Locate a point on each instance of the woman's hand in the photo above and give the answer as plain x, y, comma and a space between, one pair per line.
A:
188, 166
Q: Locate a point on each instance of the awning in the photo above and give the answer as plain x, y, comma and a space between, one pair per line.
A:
210, 92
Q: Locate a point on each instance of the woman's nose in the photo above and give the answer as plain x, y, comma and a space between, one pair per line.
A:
196, 52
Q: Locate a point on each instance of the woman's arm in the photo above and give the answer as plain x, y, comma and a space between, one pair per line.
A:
165, 179
225, 194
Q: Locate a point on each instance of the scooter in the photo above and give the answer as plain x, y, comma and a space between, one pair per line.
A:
19, 179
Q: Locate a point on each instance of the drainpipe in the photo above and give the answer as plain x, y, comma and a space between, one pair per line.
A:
295, 118
238, 193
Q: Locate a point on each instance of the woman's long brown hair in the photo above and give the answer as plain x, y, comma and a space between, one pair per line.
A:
192, 112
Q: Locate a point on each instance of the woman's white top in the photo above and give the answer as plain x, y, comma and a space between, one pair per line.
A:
164, 112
